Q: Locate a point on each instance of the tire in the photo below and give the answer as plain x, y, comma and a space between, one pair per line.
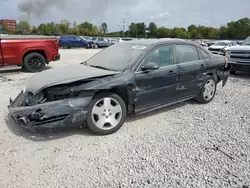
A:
232, 71
99, 116
208, 90
65, 46
95, 46
34, 62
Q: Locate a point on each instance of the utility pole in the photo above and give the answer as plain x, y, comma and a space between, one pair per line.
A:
123, 25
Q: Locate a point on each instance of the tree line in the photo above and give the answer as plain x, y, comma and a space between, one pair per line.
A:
239, 29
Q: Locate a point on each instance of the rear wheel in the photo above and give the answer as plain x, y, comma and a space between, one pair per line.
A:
107, 113
34, 62
65, 46
208, 90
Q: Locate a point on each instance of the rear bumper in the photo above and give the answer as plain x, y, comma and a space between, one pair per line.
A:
56, 57
223, 75
49, 116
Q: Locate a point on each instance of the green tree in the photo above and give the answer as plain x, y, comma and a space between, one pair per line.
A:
65, 27
132, 30
152, 28
141, 29
4, 28
192, 29
163, 32
104, 28
23, 27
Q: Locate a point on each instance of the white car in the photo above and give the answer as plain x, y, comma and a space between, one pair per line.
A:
220, 47
124, 39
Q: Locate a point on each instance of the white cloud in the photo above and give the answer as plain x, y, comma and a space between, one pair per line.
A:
164, 14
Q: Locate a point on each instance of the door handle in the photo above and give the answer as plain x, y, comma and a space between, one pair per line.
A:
171, 72
203, 66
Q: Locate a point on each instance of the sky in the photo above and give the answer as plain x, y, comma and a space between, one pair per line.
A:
167, 13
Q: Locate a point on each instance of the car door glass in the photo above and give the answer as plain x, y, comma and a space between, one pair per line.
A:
162, 56
186, 53
100, 39
203, 54
78, 38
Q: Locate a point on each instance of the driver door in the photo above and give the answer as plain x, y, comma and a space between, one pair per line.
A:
157, 87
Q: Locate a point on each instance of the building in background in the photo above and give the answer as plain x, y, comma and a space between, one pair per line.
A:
10, 25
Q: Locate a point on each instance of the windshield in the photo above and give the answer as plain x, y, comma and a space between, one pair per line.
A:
117, 57
221, 43
246, 42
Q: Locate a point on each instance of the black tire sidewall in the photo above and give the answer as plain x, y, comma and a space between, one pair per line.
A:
26, 62
66, 46
90, 122
96, 46
200, 97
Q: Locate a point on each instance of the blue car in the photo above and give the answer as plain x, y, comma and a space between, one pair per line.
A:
68, 41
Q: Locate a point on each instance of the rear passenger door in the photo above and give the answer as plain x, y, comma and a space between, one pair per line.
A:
190, 69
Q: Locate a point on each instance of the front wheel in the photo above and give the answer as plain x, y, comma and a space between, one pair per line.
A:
107, 113
208, 90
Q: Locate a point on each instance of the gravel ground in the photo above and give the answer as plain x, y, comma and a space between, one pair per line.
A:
185, 145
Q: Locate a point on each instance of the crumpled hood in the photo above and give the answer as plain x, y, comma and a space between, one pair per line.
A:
64, 75
243, 48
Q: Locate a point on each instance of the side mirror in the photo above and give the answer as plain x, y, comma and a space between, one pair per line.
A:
149, 66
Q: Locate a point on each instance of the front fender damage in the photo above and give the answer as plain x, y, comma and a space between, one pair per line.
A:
51, 115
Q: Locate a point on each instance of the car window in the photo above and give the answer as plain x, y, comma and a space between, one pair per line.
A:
162, 56
203, 54
78, 38
186, 53
100, 39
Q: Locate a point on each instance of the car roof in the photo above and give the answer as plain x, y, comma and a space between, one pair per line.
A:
160, 41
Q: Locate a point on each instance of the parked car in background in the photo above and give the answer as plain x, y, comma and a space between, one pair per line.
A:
113, 40
238, 57
125, 39
210, 43
127, 78
89, 41
32, 53
68, 41
200, 42
100, 42
220, 47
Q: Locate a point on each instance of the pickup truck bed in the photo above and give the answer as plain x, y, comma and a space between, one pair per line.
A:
30, 52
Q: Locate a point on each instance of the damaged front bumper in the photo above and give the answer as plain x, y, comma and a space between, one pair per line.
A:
52, 115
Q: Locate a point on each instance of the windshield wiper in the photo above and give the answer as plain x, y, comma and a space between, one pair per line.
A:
100, 67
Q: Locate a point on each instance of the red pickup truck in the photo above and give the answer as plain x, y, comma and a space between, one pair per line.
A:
32, 53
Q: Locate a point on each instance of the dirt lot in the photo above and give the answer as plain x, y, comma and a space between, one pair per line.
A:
186, 145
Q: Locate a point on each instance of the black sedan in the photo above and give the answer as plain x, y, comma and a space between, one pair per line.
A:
127, 78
